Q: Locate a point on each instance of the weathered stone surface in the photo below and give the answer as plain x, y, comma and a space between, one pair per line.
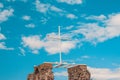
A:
78, 72
42, 72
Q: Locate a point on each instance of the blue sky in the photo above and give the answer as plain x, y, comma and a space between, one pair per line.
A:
93, 27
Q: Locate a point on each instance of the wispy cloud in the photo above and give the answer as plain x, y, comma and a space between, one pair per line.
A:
71, 2
44, 20
63, 73
71, 16
2, 37
22, 51
4, 47
85, 57
53, 8
41, 7
31, 25
5, 14
46, 8
82, 58
69, 27
17, 0
99, 18
26, 17
2, 43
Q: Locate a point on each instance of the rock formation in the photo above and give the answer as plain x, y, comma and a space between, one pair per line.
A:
78, 72
42, 72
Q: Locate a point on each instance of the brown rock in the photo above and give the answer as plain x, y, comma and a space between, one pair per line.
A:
78, 72
42, 72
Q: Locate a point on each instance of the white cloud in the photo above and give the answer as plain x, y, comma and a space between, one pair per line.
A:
85, 57
33, 42
41, 7
82, 58
48, 8
104, 73
44, 8
22, 51
3, 47
5, 14
69, 27
2, 37
31, 25
43, 20
53, 8
71, 2
114, 20
93, 32
26, 17
53, 47
50, 45
92, 17
17, 0
63, 73
2, 44
35, 51
71, 16
1, 5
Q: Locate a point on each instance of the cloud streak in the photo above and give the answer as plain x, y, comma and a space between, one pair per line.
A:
31, 25
46, 8
26, 17
71, 2
5, 14
4, 47
98, 18
2, 43
2, 37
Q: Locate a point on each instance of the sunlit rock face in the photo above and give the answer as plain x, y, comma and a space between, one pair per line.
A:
42, 72
78, 72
